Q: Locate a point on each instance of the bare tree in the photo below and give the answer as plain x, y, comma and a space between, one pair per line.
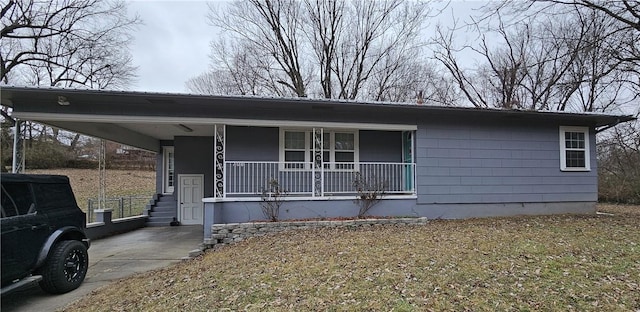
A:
376, 30
618, 170
324, 31
273, 29
540, 64
619, 37
241, 69
66, 43
331, 49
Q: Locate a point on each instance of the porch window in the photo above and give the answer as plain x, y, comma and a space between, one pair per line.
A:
574, 149
295, 148
343, 150
339, 149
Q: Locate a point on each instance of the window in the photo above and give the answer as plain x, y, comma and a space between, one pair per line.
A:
54, 196
295, 149
169, 174
339, 148
574, 149
16, 199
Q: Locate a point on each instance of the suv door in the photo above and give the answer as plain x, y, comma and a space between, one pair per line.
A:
24, 231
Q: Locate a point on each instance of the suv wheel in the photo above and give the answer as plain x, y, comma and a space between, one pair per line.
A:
65, 268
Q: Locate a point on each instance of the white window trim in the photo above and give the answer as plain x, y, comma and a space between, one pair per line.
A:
330, 133
563, 149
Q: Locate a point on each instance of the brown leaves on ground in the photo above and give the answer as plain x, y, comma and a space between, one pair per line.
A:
564, 262
86, 182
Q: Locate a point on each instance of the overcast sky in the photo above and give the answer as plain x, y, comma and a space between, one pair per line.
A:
173, 43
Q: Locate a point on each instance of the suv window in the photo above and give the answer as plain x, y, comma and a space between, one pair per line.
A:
16, 199
54, 196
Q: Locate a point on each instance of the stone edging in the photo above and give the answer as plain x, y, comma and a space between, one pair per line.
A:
224, 234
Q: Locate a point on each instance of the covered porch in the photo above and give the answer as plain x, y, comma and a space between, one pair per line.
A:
312, 163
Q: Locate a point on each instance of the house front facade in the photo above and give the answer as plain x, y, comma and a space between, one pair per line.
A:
217, 155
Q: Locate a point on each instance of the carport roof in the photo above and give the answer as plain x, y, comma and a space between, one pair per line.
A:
142, 119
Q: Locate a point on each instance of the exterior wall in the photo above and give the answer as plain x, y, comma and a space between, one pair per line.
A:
465, 168
252, 143
194, 155
159, 172
263, 143
380, 146
474, 162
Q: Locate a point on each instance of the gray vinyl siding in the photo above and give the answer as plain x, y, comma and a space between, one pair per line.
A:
252, 143
475, 162
159, 172
380, 146
194, 155
262, 144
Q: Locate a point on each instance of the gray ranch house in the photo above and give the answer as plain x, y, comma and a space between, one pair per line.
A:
216, 154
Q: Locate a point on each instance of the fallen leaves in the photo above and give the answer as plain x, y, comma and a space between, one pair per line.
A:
574, 263
85, 183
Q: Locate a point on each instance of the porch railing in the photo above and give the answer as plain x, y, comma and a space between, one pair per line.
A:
250, 178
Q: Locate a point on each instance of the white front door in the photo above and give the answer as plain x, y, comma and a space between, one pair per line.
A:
190, 207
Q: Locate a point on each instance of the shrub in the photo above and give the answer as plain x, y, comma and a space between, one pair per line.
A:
370, 191
272, 198
45, 155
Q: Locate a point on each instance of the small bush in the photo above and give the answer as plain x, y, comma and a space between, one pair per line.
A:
370, 191
45, 155
272, 198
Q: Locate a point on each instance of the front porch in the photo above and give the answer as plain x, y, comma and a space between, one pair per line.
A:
311, 163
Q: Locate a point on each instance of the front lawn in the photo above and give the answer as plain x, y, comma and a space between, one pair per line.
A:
565, 262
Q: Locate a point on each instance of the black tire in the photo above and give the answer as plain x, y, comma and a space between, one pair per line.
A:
65, 268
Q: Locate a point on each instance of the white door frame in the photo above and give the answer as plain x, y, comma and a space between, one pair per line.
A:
180, 201
166, 188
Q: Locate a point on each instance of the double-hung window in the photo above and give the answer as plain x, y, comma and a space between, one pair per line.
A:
574, 149
295, 149
339, 149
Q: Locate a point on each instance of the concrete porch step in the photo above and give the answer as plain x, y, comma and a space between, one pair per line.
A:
162, 214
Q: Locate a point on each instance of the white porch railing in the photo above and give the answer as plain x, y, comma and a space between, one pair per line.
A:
249, 178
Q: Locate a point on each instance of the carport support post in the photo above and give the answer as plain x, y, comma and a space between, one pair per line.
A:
18, 148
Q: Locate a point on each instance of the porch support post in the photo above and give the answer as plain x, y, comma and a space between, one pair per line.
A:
17, 166
219, 170
318, 170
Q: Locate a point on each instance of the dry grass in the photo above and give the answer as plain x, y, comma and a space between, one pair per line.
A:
564, 262
85, 183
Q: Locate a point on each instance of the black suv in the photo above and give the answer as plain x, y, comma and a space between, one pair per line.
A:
43, 233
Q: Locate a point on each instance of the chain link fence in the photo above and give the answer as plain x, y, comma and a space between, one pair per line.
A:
123, 207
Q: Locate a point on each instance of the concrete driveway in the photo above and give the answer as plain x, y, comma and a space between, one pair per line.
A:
113, 258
